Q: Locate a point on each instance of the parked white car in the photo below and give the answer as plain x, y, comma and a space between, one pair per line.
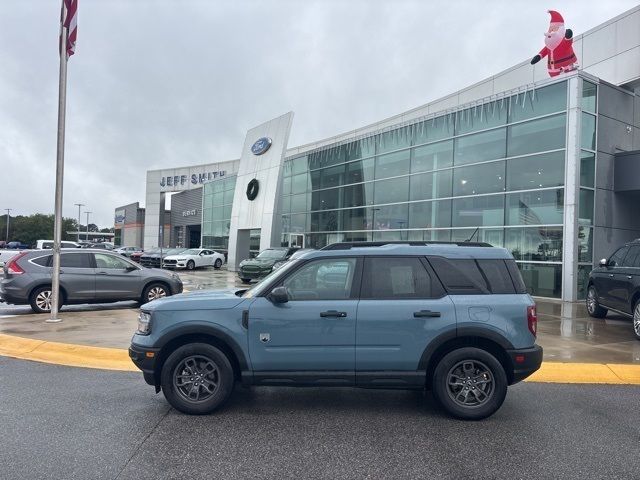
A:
194, 258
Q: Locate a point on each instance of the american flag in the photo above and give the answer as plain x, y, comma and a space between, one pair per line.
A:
71, 24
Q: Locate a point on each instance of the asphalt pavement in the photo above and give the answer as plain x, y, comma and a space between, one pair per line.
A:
63, 422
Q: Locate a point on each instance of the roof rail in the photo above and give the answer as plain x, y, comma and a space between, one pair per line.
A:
350, 245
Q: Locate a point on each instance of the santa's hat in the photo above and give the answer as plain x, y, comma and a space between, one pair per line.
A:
556, 18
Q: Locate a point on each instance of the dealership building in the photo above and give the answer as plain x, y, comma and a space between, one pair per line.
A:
548, 168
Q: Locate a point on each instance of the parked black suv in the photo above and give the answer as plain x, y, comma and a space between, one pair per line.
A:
615, 285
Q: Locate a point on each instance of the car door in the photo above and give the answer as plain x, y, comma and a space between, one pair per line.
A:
402, 308
611, 285
627, 277
206, 258
315, 330
77, 276
116, 278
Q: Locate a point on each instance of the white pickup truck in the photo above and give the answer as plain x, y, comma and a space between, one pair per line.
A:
6, 255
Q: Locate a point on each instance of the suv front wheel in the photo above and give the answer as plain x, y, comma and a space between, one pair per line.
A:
593, 307
469, 383
636, 320
197, 378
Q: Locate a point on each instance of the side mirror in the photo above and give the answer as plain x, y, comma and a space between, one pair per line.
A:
603, 262
279, 295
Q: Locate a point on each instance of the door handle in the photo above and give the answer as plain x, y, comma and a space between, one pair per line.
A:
102, 273
333, 313
61, 271
425, 313
629, 277
611, 274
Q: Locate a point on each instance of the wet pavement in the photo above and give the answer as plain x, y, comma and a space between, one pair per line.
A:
565, 330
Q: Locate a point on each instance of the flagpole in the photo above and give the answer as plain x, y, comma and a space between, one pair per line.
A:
57, 229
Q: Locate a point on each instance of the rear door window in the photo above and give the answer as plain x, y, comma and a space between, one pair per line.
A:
633, 257
497, 275
618, 257
397, 278
473, 277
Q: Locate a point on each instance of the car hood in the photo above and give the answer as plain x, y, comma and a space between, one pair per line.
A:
260, 262
204, 300
179, 255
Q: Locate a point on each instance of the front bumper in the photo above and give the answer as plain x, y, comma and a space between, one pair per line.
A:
253, 274
145, 359
525, 361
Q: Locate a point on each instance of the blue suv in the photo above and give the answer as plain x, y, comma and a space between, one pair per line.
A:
453, 318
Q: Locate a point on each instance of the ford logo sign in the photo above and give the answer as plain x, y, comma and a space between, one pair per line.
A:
261, 146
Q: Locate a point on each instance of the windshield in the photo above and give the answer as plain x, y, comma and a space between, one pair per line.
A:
152, 251
277, 254
192, 251
172, 251
259, 287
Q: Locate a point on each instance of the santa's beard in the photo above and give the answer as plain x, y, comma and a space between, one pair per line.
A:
553, 39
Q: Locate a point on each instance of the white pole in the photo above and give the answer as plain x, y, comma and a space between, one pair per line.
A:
8, 211
57, 228
79, 205
88, 224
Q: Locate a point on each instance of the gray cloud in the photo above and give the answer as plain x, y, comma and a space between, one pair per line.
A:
165, 83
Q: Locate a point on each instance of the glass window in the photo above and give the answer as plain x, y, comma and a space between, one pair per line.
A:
227, 197
497, 275
432, 156
361, 171
358, 195
355, 219
433, 129
492, 236
534, 243
358, 149
391, 217
327, 279
326, 199
587, 169
325, 221
540, 101
589, 98
476, 179
538, 171
426, 186
298, 222
536, 136
314, 176
216, 186
286, 204
392, 164
299, 165
299, 183
43, 261
76, 260
429, 235
588, 131
394, 140
430, 214
535, 208
460, 277
633, 257
332, 177
585, 244
583, 280
110, 262
585, 216
226, 212
217, 198
478, 211
542, 280
481, 117
480, 147
396, 278
392, 190
617, 258
516, 277
299, 203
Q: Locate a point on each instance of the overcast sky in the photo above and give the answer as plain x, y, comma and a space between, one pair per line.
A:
157, 84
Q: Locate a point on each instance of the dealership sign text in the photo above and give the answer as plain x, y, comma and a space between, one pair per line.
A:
196, 178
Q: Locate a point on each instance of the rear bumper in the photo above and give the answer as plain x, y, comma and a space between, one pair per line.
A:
145, 359
525, 361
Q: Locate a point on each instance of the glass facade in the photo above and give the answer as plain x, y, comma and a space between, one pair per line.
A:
217, 200
497, 167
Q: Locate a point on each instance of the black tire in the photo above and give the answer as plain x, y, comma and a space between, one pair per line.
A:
153, 291
40, 299
188, 364
191, 265
245, 280
217, 264
593, 307
636, 319
477, 372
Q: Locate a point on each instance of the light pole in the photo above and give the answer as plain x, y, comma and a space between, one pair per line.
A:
88, 224
8, 211
79, 205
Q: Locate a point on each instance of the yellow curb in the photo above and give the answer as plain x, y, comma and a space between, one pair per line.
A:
118, 359
66, 354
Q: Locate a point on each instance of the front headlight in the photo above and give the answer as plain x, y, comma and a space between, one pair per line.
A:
181, 259
144, 323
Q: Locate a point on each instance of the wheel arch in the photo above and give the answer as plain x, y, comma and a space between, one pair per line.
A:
63, 291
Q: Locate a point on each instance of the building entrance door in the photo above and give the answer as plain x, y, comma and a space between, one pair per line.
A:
296, 240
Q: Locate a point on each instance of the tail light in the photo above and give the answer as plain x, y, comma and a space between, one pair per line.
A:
12, 266
532, 319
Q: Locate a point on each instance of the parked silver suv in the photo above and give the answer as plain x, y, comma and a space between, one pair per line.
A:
86, 276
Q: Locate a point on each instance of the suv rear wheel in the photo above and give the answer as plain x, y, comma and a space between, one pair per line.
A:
197, 378
40, 299
636, 320
469, 383
593, 307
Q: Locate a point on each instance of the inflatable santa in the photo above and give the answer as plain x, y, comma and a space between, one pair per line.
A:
558, 47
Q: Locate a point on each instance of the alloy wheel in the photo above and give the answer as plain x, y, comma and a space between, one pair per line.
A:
636, 320
43, 300
470, 383
196, 378
591, 300
155, 293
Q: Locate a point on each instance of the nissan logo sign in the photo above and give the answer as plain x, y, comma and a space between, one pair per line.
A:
261, 146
